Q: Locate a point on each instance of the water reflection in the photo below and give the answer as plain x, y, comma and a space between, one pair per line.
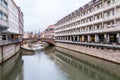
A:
12, 69
82, 69
58, 64
42, 67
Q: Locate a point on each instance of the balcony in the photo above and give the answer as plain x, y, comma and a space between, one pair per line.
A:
112, 5
3, 9
5, 42
113, 28
109, 18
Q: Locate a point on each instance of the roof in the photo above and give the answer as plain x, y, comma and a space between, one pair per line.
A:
51, 26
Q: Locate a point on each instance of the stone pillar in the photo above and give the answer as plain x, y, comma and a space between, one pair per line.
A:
70, 38
108, 38
78, 38
105, 36
6, 37
96, 38
73, 38
0, 37
115, 14
83, 38
118, 38
88, 39
67, 38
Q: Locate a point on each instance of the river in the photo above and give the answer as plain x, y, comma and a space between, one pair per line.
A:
58, 64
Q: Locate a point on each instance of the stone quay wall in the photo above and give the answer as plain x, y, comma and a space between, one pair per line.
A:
106, 54
8, 50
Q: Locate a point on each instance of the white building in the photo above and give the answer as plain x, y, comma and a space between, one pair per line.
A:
93, 29
3, 16
98, 22
49, 32
14, 18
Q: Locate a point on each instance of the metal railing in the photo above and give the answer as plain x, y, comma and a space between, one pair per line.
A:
5, 42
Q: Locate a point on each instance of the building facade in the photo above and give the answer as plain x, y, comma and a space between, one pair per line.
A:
42, 35
21, 22
11, 29
3, 16
13, 18
91, 29
49, 32
96, 22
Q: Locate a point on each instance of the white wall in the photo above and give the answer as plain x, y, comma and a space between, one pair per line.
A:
13, 17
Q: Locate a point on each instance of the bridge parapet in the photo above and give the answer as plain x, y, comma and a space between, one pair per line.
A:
50, 41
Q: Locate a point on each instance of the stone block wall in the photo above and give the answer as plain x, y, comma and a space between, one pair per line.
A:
111, 55
7, 51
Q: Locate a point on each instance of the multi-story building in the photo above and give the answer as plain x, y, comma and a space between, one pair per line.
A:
42, 35
49, 32
11, 28
13, 18
96, 25
21, 22
3, 16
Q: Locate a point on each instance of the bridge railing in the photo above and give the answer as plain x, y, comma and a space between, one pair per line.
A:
51, 41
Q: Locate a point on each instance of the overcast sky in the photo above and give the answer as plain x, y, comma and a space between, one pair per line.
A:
38, 14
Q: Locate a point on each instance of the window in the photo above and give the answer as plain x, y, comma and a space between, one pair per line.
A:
108, 14
89, 28
113, 38
3, 37
113, 12
108, 2
1, 15
4, 4
113, 1
0, 1
83, 21
84, 13
90, 19
108, 23
98, 27
98, 6
5, 17
98, 17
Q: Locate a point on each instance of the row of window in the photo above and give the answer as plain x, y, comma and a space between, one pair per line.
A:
86, 11
3, 3
89, 19
3, 16
91, 38
89, 28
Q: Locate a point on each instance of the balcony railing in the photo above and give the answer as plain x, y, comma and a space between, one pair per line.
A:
5, 42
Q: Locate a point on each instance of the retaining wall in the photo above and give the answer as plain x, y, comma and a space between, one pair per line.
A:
106, 54
7, 51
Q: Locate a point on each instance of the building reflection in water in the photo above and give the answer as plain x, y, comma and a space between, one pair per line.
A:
12, 69
49, 50
80, 66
